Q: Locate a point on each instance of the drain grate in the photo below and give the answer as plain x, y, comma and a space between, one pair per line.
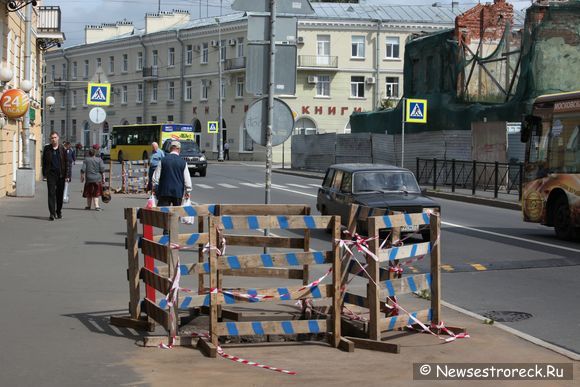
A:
506, 315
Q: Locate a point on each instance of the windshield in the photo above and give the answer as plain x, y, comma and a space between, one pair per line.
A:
189, 147
385, 181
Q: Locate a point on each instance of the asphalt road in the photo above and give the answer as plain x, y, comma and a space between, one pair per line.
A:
59, 281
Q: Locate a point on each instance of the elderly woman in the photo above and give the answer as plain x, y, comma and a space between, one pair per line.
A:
92, 175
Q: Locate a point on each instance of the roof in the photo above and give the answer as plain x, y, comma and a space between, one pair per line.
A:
358, 167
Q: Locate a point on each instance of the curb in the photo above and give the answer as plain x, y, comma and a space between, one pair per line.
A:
307, 174
475, 200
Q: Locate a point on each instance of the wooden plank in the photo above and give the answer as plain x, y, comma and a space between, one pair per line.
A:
207, 347
404, 252
156, 313
179, 341
435, 229
249, 261
396, 322
199, 210
133, 263
213, 283
260, 328
191, 239
399, 220
200, 255
282, 273
346, 345
336, 282
265, 241
236, 222
134, 323
372, 289
355, 299
306, 248
173, 266
155, 250
274, 294
263, 209
404, 285
154, 218
359, 214
374, 345
159, 283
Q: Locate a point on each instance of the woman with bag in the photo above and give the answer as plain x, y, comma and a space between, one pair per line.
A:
92, 171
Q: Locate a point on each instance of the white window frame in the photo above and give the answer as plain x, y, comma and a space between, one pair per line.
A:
154, 92
85, 95
189, 55
125, 63
111, 64
171, 57
171, 91
52, 72
358, 46
204, 57
204, 90
139, 62
98, 63
223, 90
390, 85
75, 68
240, 48
323, 86
73, 99
86, 69
240, 85
356, 86
154, 58
139, 98
392, 44
63, 72
124, 94
188, 91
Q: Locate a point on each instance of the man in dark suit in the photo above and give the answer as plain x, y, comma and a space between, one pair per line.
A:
55, 169
171, 179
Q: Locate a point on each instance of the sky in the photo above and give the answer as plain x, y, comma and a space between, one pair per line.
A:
75, 14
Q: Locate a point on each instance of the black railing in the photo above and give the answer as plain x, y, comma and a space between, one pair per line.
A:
235, 63
475, 175
150, 72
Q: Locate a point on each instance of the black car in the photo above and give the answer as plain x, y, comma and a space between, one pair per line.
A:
190, 152
375, 186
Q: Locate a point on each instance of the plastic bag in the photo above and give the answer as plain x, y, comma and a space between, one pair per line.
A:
187, 219
65, 195
151, 202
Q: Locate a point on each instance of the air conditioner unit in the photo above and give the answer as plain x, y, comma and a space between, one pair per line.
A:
232, 42
300, 40
370, 80
197, 48
214, 43
312, 79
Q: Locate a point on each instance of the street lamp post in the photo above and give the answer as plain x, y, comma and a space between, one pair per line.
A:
220, 102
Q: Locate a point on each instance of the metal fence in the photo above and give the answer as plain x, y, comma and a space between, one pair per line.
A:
475, 175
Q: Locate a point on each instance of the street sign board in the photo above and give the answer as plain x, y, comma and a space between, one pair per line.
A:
513, 127
416, 111
97, 115
296, 7
99, 94
256, 121
257, 66
212, 127
259, 28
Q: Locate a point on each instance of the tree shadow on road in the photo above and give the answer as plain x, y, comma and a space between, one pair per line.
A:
98, 322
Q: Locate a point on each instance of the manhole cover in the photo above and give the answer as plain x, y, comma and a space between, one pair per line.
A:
506, 316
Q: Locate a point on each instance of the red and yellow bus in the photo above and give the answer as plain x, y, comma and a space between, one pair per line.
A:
551, 191
133, 142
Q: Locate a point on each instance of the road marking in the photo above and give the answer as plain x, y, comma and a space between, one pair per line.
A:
277, 186
447, 267
298, 185
204, 186
251, 185
478, 267
225, 185
314, 185
297, 192
512, 237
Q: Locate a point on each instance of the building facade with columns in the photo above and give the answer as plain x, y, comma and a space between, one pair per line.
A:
349, 58
45, 32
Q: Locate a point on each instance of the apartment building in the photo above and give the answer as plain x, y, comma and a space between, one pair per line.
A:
349, 58
45, 25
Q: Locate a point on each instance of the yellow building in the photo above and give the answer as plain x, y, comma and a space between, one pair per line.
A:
45, 32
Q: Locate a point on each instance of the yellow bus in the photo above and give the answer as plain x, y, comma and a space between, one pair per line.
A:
551, 191
133, 142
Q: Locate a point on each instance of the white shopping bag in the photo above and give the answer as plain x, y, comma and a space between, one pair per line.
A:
151, 202
65, 195
187, 219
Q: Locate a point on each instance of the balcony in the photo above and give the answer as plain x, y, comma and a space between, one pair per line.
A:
151, 73
318, 61
48, 27
235, 64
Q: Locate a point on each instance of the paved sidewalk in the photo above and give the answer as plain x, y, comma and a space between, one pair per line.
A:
61, 280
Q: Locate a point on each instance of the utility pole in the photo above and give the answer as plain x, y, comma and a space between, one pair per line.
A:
221, 119
271, 76
27, 76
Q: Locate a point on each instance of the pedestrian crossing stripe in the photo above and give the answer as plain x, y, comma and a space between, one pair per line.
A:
225, 185
99, 94
212, 127
416, 111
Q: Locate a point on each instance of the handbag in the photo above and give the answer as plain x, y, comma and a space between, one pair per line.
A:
65, 195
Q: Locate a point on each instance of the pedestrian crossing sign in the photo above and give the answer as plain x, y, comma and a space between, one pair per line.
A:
212, 127
416, 111
99, 94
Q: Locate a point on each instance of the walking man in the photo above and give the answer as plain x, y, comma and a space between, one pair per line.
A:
226, 150
171, 180
55, 168
156, 156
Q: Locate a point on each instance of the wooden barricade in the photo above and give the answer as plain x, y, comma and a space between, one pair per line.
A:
135, 175
386, 282
243, 263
